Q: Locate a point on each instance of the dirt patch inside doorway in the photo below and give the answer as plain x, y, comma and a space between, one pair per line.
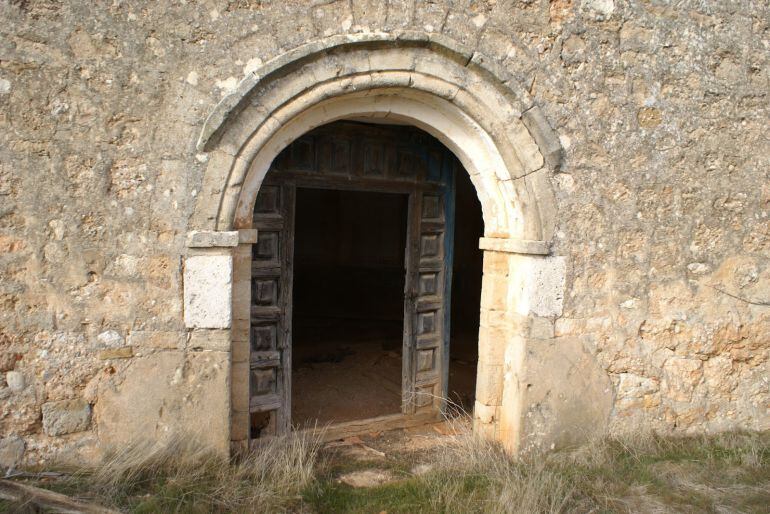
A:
343, 378
348, 305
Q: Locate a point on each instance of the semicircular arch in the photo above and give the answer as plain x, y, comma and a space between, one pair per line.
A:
459, 97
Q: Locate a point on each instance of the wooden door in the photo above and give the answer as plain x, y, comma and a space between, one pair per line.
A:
365, 158
271, 285
428, 293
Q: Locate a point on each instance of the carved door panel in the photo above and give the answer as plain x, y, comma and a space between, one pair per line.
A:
428, 295
271, 277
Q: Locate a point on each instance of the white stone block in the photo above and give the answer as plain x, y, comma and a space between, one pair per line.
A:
208, 282
539, 285
15, 381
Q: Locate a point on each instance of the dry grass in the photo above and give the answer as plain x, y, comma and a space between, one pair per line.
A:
639, 472
631, 473
181, 476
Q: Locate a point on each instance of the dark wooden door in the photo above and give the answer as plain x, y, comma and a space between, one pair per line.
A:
428, 294
271, 278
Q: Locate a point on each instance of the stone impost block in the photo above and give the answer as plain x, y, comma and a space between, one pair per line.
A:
507, 245
66, 416
211, 238
208, 291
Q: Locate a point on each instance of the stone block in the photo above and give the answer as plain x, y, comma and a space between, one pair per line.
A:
211, 239
242, 296
495, 263
11, 451
241, 328
484, 413
66, 416
109, 339
247, 236
494, 291
489, 384
217, 340
8, 360
208, 291
163, 340
547, 140
15, 381
541, 328
240, 386
239, 426
168, 394
492, 341
240, 351
568, 396
539, 283
124, 352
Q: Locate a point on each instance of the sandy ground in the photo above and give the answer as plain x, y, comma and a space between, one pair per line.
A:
336, 381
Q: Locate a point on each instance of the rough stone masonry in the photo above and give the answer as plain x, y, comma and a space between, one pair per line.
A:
662, 202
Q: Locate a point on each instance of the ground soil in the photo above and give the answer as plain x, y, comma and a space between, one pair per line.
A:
347, 379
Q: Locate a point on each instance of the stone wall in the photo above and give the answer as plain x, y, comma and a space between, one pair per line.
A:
662, 200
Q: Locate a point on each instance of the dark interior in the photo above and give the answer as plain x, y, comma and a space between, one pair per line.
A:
348, 294
348, 305
466, 294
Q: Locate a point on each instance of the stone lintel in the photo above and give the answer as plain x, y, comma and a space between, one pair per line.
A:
506, 245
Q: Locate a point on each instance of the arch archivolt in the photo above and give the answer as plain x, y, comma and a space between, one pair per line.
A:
458, 96
441, 89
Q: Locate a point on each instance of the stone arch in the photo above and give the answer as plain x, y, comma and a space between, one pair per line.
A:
387, 75
463, 99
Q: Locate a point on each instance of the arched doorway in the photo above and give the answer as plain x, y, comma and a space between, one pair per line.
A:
352, 277
475, 110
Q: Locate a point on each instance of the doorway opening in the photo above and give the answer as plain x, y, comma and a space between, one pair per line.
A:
466, 296
354, 322
348, 305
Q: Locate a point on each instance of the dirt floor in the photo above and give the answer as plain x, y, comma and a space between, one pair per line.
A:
344, 381
349, 379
